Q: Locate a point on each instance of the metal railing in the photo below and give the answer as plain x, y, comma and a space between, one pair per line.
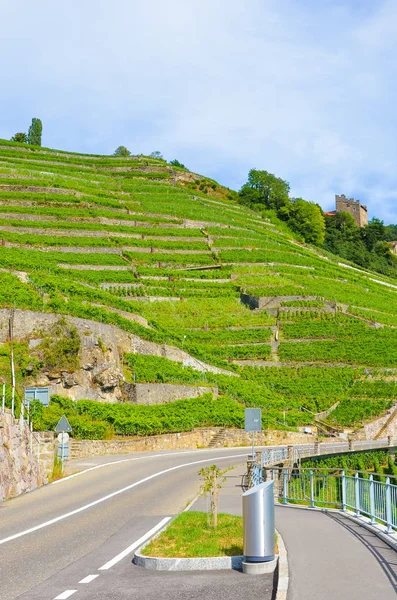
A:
278, 454
370, 495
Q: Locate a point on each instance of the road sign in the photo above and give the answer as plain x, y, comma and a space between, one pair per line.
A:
63, 425
253, 419
63, 437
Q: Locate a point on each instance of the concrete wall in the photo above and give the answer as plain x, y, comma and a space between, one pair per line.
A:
162, 393
21, 469
199, 438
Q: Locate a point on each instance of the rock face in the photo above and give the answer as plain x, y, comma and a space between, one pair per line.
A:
20, 469
100, 376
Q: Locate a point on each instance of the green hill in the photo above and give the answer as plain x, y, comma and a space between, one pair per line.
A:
171, 257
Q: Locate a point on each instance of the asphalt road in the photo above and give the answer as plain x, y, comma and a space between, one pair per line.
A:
58, 535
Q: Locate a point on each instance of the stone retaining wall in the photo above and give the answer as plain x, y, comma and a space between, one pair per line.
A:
162, 393
22, 468
199, 438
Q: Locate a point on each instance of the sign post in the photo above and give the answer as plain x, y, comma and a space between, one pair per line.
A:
63, 429
253, 422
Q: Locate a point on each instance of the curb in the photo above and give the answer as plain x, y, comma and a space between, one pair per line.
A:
188, 564
283, 570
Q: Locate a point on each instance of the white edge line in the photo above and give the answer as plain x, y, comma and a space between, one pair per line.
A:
135, 545
65, 594
113, 494
123, 460
89, 578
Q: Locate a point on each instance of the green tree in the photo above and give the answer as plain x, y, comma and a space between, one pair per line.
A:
213, 478
346, 225
20, 137
372, 233
383, 249
264, 187
156, 154
307, 219
121, 151
34, 133
176, 163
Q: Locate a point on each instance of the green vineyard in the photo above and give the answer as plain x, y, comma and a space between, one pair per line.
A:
171, 258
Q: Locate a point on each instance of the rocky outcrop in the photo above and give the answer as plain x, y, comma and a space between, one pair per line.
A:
100, 376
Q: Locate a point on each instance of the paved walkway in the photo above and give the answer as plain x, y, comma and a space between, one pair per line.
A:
330, 557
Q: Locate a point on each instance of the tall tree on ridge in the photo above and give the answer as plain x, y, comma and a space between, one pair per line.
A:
34, 133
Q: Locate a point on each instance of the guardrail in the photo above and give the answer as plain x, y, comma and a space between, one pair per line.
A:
293, 454
370, 495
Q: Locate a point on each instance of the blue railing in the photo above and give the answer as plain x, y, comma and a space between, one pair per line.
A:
366, 495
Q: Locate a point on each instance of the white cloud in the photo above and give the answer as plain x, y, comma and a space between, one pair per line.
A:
303, 89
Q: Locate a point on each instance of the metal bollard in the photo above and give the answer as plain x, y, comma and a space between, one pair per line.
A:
259, 527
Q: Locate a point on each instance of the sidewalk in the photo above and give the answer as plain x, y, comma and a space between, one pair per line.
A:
330, 557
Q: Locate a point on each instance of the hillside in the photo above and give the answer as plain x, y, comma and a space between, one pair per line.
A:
171, 259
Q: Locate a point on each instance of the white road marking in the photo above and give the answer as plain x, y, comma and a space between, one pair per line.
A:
89, 578
135, 545
65, 594
123, 460
113, 494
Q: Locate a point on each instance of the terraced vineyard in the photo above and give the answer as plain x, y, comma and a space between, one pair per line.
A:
173, 259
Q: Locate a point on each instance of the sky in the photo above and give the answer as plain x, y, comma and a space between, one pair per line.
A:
305, 89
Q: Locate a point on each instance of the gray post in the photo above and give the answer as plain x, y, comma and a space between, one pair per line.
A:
311, 489
343, 490
259, 526
388, 506
357, 493
285, 486
372, 498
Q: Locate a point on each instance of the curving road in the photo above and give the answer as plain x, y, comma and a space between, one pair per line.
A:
63, 533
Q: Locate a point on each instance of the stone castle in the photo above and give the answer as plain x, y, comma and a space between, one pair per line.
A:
358, 211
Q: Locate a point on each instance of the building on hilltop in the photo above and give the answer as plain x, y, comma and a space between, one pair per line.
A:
358, 211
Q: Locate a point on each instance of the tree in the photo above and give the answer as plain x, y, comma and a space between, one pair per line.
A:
34, 133
213, 478
20, 137
372, 233
266, 188
346, 225
156, 154
121, 151
306, 218
176, 163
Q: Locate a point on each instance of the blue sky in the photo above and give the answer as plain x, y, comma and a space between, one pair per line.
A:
305, 89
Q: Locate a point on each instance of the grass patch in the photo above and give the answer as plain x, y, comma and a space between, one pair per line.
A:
190, 536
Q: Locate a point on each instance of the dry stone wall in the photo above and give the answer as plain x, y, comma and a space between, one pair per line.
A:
162, 393
199, 438
23, 467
